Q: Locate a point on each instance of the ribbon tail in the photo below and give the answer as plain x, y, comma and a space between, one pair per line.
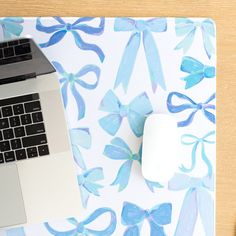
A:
55, 38
84, 195
207, 161
123, 175
151, 185
79, 101
156, 230
78, 157
64, 93
86, 46
210, 116
188, 214
186, 43
206, 211
153, 61
209, 48
132, 231
188, 120
127, 61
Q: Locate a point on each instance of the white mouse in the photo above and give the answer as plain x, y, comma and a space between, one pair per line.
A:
160, 148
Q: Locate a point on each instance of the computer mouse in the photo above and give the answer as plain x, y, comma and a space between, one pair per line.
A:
161, 142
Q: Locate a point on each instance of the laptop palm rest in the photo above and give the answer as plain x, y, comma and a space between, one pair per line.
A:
12, 211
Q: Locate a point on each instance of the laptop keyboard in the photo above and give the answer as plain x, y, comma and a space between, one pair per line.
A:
15, 51
22, 131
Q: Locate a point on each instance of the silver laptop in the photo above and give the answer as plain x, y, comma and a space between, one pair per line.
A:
37, 175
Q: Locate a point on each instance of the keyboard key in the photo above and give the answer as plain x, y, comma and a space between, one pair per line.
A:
8, 52
37, 117
7, 111
1, 137
32, 152
20, 154
9, 156
26, 119
19, 132
8, 133
1, 53
32, 106
22, 49
4, 123
3, 45
15, 144
1, 158
20, 99
24, 41
14, 121
4, 146
12, 43
35, 129
15, 59
34, 140
18, 109
43, 150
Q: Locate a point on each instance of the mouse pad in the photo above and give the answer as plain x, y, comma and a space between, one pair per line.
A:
114, 72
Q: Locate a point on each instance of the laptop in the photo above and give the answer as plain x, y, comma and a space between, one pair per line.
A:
37, 176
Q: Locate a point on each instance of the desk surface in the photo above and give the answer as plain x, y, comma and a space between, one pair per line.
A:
224, 13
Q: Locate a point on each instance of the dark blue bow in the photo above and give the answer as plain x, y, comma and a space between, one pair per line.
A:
80, 228
191, 105
62, 28
133, 216
197, 71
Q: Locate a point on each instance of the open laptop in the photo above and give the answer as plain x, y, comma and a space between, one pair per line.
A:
37, 175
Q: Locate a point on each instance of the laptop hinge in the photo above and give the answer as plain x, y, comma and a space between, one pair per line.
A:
17, 78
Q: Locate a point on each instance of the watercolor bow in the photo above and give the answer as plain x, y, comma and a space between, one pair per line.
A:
133, 217
80, 137
197, 71
189, 139
204, 107
187, 28
11, 27
135, 112
81, 230
60, 30
73, 80
138, 28
197, 200
119, 150
87, 183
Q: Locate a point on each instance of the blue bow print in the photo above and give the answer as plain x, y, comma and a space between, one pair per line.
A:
87, 182
61, 28
204, 107
80, 228
197, 71
138, 28
119, 150
187, 28
133, 217
73, 80
11, 26
80, 137
189, 139
135, 112
15, 232
197, 201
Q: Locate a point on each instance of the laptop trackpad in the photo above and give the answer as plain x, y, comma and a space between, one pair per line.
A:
12, 211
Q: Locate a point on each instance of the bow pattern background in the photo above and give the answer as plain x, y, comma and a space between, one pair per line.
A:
144, 29
62, 28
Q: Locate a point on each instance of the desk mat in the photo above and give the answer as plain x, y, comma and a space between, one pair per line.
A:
113, 73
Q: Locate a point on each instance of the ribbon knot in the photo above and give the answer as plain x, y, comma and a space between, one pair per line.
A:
197, 201
189, 139
190, 104
187, 28
73, 80
80, 228
60, 29
135, 112
140, 29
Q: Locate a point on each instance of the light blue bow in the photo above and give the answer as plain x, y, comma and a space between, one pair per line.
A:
15, 232
189, 139
197, 201
87, 182
138, 27
135, 112
204, 107
119, 150
60, 30
197, 71
187, 28
81, 230
133, 217
11, 27
73, 80
80, 137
